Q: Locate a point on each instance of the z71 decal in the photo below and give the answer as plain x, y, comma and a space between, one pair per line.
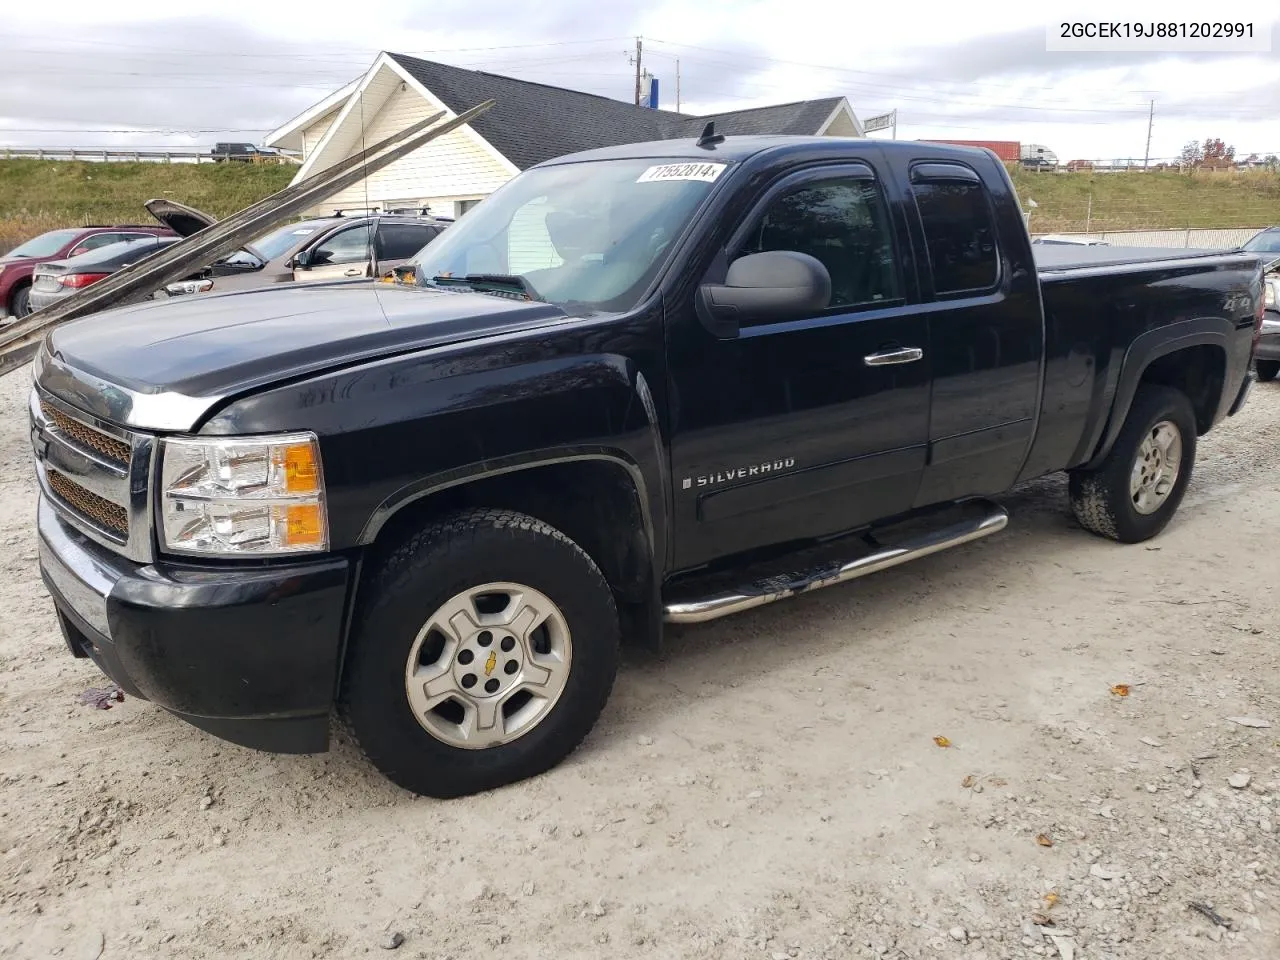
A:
738, 473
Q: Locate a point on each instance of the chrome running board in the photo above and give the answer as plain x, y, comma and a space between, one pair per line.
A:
980, 518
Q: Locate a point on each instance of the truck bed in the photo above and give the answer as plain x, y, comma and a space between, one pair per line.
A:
1058, 257
1098, 302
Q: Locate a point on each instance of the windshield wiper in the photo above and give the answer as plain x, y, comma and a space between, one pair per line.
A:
490, 283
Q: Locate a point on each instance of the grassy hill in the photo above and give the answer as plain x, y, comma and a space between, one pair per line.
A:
39, 195
1080, 202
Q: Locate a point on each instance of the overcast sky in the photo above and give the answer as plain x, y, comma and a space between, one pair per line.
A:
130, 72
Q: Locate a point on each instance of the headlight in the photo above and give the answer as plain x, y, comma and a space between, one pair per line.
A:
243, 495
1270, 296
188, 286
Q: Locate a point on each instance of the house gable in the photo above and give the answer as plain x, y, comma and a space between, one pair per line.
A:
842, 122
290, 135
454, 166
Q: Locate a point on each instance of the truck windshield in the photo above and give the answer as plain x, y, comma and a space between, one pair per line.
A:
587, 236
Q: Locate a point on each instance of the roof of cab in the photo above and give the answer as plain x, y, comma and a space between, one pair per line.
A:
734, 149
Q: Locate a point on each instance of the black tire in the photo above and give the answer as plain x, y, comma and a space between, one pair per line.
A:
1267, 369
1100, 498
20, 302
468, 549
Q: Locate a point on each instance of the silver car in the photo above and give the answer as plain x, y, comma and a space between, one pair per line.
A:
60, 278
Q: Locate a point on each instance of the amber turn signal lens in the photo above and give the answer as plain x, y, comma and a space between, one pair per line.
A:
301, 471
303, 525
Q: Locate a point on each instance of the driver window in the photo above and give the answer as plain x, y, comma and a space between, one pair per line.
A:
346, 246
842, 223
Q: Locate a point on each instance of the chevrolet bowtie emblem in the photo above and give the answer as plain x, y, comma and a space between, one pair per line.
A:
490, 663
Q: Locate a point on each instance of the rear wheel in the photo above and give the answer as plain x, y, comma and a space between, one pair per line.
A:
1133, 494
20, 302
484, 653
1267, 369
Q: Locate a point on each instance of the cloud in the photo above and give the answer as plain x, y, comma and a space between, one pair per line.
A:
191, 81
146, 77
237, 73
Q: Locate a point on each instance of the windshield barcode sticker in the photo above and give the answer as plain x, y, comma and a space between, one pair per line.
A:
707, 172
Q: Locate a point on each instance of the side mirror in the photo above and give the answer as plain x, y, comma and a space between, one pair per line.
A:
765, 288
301, 259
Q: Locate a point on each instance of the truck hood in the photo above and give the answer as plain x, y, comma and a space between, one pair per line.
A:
163, 365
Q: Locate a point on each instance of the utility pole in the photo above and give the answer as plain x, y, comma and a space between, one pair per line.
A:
677, 85
1151, 116
639, 53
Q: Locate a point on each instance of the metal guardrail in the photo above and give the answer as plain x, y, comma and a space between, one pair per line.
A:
155, 155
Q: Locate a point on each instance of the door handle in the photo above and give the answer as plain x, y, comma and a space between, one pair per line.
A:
354, 272
900, 355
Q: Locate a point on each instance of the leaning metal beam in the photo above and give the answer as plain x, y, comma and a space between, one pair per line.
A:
19, 342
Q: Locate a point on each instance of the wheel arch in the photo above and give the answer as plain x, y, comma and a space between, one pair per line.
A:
22, 283
1193, 356
597, 497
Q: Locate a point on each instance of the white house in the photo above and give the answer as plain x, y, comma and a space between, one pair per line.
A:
530, 123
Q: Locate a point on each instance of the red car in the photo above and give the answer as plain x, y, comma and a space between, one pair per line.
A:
17, 266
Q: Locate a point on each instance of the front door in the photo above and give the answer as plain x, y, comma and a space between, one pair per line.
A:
815, 425
343, 254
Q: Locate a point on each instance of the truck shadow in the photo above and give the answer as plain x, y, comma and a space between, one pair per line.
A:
708, 660
744, 645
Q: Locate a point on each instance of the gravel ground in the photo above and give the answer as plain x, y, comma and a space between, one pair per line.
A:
771, 788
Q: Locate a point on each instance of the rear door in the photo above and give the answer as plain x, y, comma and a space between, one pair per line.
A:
398, 242
985, 332
343, 254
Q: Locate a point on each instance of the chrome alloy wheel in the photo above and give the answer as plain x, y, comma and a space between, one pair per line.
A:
488, 666
1155, 471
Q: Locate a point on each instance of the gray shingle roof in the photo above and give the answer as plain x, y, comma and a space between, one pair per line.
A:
533, 122
802, 119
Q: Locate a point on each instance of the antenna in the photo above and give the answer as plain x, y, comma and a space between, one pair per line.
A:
709, 136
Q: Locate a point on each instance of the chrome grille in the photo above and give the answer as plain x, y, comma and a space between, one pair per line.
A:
117, 451
95, 474
98, 510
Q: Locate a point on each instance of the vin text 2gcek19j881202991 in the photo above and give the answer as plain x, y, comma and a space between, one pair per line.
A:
654, 383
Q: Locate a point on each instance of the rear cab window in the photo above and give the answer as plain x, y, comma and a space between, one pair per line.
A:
959, 228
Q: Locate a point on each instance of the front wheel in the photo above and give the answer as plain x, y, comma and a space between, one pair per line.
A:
1267, 369
484, 652
1133, 494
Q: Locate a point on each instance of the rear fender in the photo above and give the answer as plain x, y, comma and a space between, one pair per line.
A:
1149, 347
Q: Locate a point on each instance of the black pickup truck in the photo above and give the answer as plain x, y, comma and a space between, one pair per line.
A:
651, 384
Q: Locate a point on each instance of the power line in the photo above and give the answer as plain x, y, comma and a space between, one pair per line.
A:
913, 78
360, 52
164, 131
978, 100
